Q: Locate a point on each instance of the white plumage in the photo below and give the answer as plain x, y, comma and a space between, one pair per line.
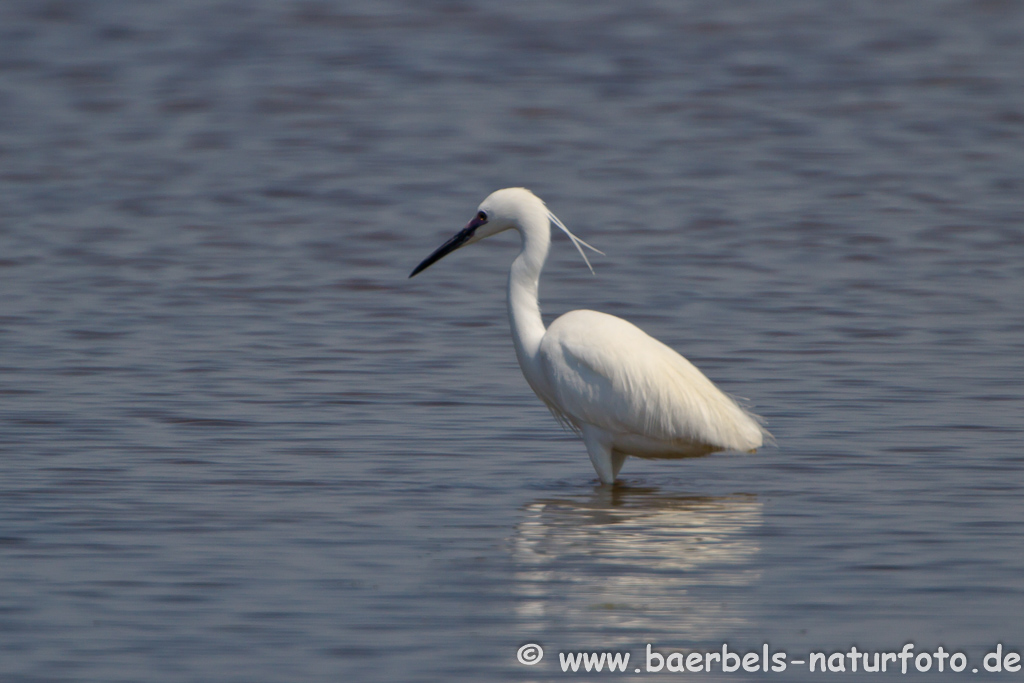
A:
625, 392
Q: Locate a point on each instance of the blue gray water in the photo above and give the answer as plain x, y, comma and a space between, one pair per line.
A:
238, 444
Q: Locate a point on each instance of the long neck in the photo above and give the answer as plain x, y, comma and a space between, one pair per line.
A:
523, 308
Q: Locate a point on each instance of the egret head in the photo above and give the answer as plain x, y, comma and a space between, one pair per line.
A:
513, 207
501, 211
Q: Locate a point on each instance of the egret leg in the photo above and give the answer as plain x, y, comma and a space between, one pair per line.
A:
606, 461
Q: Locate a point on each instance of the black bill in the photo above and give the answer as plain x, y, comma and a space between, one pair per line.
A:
451, 245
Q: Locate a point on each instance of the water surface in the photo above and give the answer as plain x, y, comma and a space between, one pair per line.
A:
238, 444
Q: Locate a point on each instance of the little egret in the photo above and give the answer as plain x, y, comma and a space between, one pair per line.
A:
623, 391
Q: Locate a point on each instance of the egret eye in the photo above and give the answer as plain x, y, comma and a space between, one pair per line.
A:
482, 215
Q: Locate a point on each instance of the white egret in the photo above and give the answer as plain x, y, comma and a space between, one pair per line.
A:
623, 391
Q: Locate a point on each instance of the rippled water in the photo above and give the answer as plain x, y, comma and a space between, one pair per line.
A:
238, 444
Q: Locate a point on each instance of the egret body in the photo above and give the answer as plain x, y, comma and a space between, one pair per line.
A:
623, 391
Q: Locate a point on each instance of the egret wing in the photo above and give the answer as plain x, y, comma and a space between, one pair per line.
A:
604, 371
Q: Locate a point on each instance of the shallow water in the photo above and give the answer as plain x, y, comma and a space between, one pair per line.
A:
238, 444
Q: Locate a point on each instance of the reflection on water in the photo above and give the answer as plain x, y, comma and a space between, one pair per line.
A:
637, 560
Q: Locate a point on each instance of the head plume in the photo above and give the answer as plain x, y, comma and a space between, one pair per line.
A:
511, 200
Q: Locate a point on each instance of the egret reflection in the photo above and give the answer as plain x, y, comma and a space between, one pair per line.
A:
637, 560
